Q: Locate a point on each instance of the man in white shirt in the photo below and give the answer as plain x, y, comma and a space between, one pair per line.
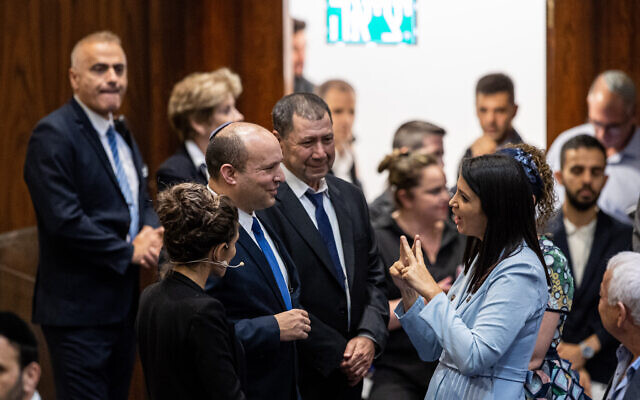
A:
588, 237
611, 105
619, 309
19, 368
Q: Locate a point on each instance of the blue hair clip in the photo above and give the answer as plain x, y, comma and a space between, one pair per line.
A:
529, 167
218, 129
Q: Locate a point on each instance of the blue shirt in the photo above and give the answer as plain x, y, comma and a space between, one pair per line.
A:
621, 379
620, 194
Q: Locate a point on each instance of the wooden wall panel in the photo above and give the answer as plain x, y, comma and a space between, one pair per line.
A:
584, 38
164, 41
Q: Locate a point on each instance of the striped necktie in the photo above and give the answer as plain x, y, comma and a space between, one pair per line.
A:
121, 176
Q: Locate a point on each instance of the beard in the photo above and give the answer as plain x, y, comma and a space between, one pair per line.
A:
16, 392
581, 205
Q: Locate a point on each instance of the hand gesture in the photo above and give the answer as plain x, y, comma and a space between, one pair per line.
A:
415, 272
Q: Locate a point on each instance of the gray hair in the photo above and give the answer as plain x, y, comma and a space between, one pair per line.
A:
305, 105
101, 36
621, 84
624, 285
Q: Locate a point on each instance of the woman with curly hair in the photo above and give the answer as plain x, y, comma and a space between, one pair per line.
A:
187, 348
552, 376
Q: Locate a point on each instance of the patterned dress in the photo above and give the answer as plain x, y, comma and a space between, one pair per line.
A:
555, 379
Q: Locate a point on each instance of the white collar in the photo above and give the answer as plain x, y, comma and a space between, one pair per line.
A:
197, 156
299, 187
244, 218
100, 123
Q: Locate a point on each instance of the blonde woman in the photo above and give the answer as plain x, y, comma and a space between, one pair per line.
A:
199, 103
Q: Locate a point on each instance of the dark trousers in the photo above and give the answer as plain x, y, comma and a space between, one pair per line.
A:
92, 362
390, 384
335, 387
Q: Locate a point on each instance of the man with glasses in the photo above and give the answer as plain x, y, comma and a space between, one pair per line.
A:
611, 105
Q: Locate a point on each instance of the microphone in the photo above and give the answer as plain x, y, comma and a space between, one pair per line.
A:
227, 265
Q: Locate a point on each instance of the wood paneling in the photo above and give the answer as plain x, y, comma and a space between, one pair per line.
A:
164, 41
584, 38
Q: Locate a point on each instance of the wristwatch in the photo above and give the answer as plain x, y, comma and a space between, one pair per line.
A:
587, 351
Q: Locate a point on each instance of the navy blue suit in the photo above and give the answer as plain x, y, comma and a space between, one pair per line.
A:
610, 238
251, 297
85, 281
177, 169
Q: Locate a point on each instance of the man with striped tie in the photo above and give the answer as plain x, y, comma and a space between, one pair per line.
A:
95, 227
261, 296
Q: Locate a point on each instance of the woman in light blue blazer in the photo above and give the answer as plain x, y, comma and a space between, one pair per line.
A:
484, 330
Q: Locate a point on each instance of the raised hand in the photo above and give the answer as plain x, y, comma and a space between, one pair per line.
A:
415, 272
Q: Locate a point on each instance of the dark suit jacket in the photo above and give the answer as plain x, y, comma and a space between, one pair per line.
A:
251, 297
178, 168
321, 295
633, 390
611, 237
85, 276
187, 348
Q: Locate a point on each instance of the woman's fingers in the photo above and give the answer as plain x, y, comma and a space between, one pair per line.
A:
418, 251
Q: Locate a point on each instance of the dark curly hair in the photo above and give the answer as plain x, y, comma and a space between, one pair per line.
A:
195, 221
545, 203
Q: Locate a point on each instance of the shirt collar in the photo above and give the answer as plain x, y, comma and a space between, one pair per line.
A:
624, 356
244, 218
100, 124
632, 149
197, 156
299, 187
570, 228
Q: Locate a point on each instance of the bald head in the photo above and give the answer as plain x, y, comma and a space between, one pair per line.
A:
611, 105
234, 145
244, 164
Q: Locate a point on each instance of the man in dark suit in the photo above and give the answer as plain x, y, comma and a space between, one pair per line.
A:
95, 227
620, 313
589, 238
261, 297
324, 223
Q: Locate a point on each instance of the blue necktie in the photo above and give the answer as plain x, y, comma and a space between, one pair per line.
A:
324, 227
271, 259
124, 184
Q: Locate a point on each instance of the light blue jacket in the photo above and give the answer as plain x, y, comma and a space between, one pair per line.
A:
484, 340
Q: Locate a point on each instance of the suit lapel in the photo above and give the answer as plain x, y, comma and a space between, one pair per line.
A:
257, 257
294, 211
346, 231
86, 128
600, 243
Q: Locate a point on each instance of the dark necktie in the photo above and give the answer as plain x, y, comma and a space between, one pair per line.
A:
121, 176
273, 263
324, 227
203, 170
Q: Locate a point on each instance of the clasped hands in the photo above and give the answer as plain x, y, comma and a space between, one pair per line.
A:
146, 246
411, 276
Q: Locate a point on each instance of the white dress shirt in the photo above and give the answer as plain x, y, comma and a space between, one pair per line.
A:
580, 240
299, 188
101, 125
246, 222
196, 155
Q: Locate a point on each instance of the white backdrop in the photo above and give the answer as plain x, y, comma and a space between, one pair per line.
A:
458, 41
